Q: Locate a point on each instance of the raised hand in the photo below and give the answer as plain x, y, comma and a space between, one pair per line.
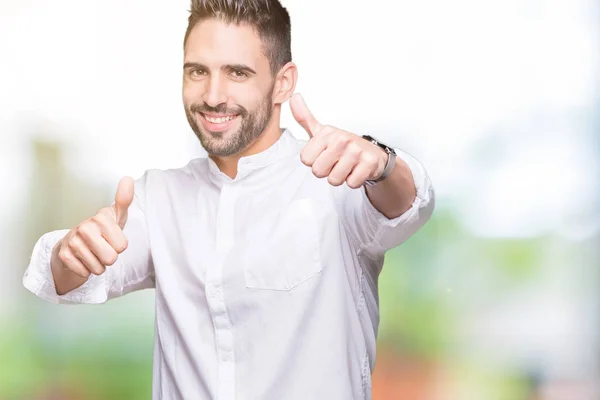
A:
335, 154
96, 242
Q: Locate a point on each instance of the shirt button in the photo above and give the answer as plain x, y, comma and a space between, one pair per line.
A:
226, 357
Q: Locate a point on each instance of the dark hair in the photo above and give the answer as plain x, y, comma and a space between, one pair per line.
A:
268, 17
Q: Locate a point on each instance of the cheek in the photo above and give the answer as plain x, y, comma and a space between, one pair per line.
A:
191, 92
244, 95
255, 99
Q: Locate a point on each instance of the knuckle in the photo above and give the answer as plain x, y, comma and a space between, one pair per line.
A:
353, 183
355, 149
334, 181
318, 172
370, 160
64, 256
72, 244
305, 160
353, 153
98, 270
122, 246
110, 259
85, 229
342, 142
346, 139
98, 219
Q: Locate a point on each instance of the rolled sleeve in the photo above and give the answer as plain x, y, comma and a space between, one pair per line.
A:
372, 231
38, 277
133, 270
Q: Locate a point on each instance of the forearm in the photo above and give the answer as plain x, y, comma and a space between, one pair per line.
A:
64, 279
395, 195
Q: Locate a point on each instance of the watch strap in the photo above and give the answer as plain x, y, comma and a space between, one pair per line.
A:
391, 161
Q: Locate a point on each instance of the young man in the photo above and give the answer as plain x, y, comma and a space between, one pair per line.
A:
265, 255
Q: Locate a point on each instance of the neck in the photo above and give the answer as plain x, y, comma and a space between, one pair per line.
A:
271, 134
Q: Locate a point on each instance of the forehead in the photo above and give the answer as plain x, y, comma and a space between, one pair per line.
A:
215, 42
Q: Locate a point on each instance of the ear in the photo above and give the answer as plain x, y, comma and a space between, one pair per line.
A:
285, 83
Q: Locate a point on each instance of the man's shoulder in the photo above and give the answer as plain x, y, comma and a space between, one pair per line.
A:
196, 169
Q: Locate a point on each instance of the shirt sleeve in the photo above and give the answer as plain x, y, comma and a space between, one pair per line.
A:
132, 271
373, 232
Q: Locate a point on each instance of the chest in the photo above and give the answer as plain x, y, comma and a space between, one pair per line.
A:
273, 238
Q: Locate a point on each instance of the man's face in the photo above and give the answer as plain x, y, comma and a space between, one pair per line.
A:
227, 86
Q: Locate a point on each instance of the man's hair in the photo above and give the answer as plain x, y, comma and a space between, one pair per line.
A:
269, 19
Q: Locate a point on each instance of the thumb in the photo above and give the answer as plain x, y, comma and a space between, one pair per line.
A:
123, 200
303, 115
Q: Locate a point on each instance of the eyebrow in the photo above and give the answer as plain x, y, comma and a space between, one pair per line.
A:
235, 67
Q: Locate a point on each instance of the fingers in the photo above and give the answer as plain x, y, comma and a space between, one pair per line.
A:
303, 115
97, 242
342, 169
89, 234
123, 199
312, 150
72, 263
93, 245
359, 175
342, 157
110, 231
316, 145
324, 163
338, 155
83, 254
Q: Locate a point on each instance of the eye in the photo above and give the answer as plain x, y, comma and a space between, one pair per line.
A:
197, 72
239, 74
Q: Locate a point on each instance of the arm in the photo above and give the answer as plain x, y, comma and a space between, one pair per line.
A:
394, 195
366, 222
379, 217
105, 256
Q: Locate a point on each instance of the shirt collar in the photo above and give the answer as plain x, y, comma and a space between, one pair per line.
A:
285, 146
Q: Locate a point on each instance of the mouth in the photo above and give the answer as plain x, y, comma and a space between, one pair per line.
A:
217, 123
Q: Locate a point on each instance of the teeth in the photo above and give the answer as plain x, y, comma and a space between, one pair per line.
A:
218, 120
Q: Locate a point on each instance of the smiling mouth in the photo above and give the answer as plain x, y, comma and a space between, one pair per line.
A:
218, 123
219, 120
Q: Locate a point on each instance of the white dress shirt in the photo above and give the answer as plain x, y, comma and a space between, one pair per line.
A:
266, 285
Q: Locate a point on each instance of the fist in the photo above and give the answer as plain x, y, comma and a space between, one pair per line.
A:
335, 154
96, 242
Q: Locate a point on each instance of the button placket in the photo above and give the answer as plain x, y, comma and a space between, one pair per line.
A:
215, 295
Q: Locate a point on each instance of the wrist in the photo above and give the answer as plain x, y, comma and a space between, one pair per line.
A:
388, 159
382, 161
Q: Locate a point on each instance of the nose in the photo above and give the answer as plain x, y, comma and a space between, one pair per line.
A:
215, 92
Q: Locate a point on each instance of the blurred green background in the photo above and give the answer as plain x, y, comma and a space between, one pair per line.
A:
496, 298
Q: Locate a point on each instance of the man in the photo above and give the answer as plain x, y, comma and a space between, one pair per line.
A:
265, 255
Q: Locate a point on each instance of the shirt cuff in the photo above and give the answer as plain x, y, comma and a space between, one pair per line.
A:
422, 199
389, 233
38, 277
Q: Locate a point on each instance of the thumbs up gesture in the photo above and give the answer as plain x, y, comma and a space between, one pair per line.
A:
335, 154
96, 243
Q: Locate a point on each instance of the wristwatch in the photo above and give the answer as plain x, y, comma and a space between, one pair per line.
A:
391, 162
